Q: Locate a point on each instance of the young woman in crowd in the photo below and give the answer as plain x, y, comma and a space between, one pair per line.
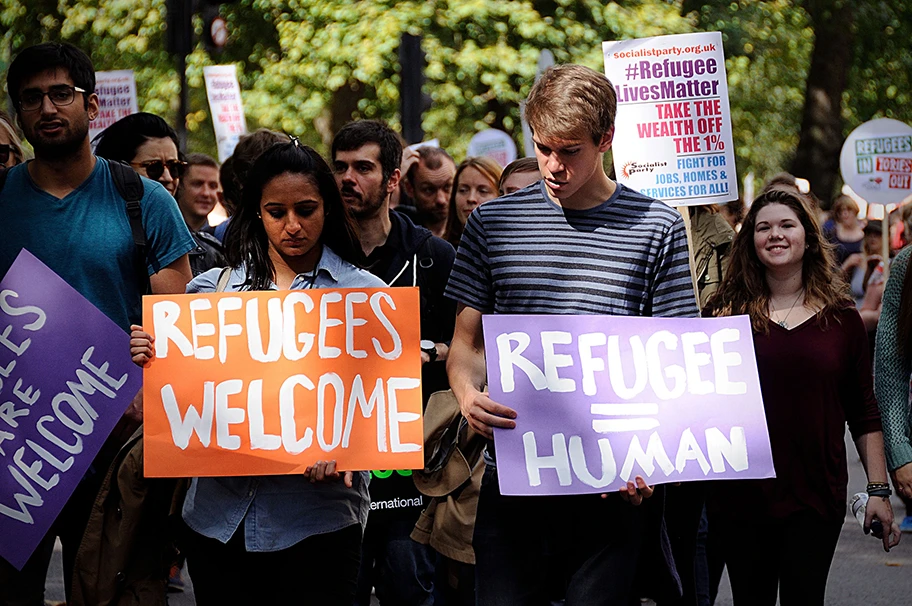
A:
148, 144
517, 175
272, 539
779, 535
845, 231
475, 183
11, 152
892, 364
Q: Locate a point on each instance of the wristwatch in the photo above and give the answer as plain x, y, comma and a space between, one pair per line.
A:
430, 348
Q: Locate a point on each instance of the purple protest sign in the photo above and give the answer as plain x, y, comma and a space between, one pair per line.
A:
65, 380
602, 399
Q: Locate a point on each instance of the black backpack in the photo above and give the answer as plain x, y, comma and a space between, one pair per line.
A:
129, 186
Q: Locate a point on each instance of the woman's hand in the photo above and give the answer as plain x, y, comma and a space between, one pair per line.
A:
140, 345
902, 480
880, 508
323, 471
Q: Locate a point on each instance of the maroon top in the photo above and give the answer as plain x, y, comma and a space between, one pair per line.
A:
814, 381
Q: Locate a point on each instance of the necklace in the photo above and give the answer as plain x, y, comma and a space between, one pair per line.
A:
784, 321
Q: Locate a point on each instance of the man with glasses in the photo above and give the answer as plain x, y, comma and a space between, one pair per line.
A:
64, 208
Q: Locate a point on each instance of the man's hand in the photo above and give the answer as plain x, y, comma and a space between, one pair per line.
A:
409, 157
442, 351
140, 345
635, 494
484, 414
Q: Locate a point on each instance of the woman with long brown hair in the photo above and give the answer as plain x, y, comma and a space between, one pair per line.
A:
779, 535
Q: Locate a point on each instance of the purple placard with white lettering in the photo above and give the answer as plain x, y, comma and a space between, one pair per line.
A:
602, 399
65, 380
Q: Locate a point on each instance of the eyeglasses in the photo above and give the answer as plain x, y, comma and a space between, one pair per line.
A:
156, 168
60, 96
5, 151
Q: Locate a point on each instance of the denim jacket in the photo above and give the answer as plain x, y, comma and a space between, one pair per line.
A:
279, 511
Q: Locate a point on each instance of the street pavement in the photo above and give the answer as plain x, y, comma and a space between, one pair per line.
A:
861, 573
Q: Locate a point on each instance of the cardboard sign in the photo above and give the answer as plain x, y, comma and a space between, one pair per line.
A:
64, 384
267, 383
876, 161
225, 106
116, 99
601, 399
673, 136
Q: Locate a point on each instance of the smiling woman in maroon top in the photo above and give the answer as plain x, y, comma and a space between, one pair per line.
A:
779, 535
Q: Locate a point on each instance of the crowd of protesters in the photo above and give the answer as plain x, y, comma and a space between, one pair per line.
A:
377, 213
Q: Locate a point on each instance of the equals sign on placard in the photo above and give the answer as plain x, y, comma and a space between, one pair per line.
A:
635, 417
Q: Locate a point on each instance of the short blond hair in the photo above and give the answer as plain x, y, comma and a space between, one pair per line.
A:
569, 100
18, 152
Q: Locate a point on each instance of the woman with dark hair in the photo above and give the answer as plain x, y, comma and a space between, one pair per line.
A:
892, 364
148, 144
274, 539
779, 535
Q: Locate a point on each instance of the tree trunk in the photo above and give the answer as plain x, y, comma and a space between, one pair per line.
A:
820, 140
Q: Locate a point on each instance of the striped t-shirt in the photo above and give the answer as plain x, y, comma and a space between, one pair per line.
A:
524, 254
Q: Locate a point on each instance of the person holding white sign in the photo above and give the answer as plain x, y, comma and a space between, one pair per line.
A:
779, 535
273, 539
588, 246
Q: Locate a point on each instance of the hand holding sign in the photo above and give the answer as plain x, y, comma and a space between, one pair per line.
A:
484, 414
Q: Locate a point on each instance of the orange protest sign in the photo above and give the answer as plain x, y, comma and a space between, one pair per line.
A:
267, 383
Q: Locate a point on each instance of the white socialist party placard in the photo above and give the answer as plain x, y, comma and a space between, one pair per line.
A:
673, 136
116, 92
226, 108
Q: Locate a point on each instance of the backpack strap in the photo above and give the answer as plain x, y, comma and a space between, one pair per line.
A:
130, 187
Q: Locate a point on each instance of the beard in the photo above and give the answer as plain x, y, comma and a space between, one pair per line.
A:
362, 208
65, 145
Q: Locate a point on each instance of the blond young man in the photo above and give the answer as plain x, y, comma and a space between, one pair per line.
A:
590, 246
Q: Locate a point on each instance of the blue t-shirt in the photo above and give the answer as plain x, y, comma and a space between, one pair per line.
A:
85, 237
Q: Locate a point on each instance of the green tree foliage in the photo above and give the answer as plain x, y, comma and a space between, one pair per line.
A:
767, 49
308, 66
769, 45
